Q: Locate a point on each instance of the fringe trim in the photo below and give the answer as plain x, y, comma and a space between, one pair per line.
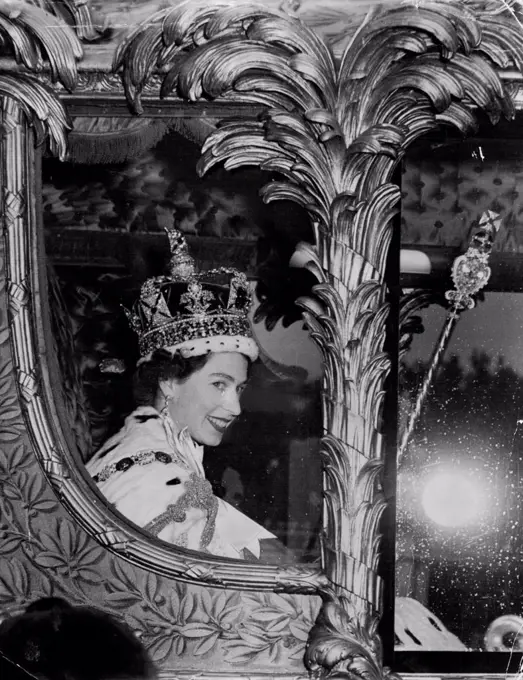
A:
194, 129
96, 147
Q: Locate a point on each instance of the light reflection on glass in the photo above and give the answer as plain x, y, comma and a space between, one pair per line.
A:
453, 498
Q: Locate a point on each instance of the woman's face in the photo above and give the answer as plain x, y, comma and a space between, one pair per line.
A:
209, 400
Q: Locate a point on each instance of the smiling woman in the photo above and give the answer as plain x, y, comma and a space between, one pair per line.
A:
196, 347
208, 402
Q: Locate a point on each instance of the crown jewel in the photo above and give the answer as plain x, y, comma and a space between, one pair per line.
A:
193, 312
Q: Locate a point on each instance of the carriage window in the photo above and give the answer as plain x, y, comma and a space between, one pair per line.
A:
459, 484
460, 466
105, 216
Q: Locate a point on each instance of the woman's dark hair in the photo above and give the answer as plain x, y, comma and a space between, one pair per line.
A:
52, 640
163, 366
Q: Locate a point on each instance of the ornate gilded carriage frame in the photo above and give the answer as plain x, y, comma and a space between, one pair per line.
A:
334, 131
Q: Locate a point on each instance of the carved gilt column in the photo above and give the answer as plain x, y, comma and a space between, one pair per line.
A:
18, 182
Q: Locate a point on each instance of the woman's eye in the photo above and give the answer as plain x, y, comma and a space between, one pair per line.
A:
220, 386
240, 388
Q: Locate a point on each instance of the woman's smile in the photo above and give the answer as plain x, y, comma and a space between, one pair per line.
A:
220, 424
213, 389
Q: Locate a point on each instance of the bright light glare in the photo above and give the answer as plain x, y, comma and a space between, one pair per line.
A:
452, 499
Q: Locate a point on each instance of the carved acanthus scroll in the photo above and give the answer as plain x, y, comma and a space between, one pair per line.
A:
35, 37
76, 13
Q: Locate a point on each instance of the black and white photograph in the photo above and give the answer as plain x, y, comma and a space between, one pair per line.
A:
261, 321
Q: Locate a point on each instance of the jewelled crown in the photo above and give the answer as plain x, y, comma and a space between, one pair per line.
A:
193, 312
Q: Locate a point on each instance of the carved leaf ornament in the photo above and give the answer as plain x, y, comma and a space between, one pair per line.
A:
39, 40
333, 134
76, 13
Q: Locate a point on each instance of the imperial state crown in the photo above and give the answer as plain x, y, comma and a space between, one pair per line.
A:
193, 312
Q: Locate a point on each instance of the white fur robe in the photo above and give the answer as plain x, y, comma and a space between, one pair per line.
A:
154, 476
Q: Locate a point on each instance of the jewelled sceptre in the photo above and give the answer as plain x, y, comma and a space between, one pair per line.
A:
470, 273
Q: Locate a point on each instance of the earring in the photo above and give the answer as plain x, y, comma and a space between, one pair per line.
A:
165, 409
